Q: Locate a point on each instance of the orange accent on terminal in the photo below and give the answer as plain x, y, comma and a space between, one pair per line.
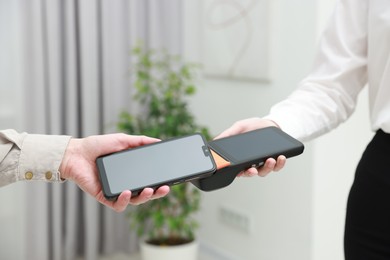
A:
219, 161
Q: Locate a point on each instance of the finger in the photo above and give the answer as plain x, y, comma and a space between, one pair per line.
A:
161, 192
249, 172
234, 129
122, 201
143, 197
280, 163
268, 167
134, 141
110, 143
130, 141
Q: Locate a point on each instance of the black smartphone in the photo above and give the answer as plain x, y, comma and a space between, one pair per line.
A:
168, 162
236, 153
254, 147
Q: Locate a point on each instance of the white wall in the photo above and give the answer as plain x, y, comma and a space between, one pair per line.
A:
279, 206
11, 197
298, 213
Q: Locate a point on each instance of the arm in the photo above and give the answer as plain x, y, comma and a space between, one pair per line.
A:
57, 158
327, 96
30, 157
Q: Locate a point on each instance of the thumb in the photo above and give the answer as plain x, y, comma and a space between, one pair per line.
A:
111, 143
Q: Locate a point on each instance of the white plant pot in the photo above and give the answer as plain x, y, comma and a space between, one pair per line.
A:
187, 251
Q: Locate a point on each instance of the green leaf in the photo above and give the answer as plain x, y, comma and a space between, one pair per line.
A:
190, 90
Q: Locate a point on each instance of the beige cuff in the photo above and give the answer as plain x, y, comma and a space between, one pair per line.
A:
41, 157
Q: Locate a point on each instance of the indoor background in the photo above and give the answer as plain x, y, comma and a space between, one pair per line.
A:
64, 69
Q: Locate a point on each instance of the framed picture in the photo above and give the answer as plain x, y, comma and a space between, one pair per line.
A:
235, 40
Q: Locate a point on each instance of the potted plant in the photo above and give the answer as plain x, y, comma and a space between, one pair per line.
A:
163, 83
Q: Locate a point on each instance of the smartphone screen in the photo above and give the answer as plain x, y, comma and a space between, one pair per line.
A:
167, 162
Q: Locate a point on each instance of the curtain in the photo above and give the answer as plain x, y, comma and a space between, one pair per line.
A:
76, 82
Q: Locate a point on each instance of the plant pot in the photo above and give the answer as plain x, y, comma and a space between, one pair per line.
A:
187, 251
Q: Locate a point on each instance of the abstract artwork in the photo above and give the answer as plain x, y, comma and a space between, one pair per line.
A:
235, 40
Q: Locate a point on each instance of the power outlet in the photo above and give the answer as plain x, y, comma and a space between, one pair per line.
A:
235, 218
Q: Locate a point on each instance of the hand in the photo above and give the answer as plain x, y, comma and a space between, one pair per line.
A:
247, 125
270, 165
79, 166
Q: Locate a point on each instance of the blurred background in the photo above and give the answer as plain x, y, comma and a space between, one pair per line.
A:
64, 69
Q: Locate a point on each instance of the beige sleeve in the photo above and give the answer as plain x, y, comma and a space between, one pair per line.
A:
30, 157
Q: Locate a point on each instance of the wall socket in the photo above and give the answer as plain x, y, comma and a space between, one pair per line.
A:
235, 218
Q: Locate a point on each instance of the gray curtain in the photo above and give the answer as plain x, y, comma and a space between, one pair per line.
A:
77, 80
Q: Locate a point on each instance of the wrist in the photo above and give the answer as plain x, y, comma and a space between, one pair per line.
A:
273, 123
270, 121
65, 169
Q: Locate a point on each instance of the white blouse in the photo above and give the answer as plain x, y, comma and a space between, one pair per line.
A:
354, 50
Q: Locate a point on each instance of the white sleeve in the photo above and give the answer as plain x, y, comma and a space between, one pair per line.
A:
327, 96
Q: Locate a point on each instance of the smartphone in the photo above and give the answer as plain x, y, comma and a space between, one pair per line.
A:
168, 162
254, 147
242, 151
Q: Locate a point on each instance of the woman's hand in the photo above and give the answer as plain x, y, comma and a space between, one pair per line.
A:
251, 124
79, 165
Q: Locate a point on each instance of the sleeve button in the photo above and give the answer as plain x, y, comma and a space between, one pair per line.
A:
28, 175
48, 175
